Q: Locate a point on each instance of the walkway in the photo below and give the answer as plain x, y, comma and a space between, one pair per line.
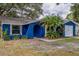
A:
53, 40
47, 40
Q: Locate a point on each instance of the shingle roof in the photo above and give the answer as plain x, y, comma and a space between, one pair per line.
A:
17, 20
14, 19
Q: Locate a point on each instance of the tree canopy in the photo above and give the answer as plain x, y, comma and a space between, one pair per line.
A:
52, 21
28, 10
70, 16
74, 12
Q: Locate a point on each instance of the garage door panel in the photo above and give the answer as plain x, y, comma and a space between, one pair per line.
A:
68, 31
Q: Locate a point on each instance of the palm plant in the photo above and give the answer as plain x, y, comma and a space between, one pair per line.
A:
51, 23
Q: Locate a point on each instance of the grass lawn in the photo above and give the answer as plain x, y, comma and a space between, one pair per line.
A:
66, 40
34, 47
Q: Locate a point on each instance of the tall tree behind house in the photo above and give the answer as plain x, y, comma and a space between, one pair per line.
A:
28, 10
75, 12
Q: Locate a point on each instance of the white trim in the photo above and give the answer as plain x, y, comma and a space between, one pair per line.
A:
21, 29
16, 34
32, 22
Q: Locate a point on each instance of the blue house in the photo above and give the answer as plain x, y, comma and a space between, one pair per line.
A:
71, 28
21, 27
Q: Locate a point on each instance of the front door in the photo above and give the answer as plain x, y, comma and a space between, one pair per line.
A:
68, 30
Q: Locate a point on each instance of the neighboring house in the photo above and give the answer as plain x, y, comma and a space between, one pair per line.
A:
21, 27
71, 28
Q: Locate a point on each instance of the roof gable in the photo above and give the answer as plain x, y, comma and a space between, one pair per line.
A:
66, 21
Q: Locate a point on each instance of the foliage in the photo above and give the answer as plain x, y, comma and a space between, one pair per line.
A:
16, 37
5, 36
28, 10
70, 16
75, 12
24, 37
51, 34
52, 22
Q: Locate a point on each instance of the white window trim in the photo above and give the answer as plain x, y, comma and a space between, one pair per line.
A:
15, 34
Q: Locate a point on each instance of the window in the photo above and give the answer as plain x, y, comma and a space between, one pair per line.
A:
16, 29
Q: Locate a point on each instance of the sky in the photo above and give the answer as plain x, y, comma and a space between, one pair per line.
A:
51, 8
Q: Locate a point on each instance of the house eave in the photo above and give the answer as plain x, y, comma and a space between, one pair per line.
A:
65, 21
32, 22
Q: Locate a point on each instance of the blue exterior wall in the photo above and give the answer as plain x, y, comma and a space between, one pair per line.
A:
29, 30
6, 28
72, 24
39, 31
34, 30
24, 29
30, 33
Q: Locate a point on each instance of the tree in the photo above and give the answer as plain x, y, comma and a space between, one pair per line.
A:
28, 10
75, 12
69, 16
51, 23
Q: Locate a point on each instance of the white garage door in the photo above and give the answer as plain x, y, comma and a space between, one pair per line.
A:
68, 31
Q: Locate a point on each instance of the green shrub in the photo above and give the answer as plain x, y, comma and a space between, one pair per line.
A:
23, 37
16, 37
49, 34
52, 35
5, 36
